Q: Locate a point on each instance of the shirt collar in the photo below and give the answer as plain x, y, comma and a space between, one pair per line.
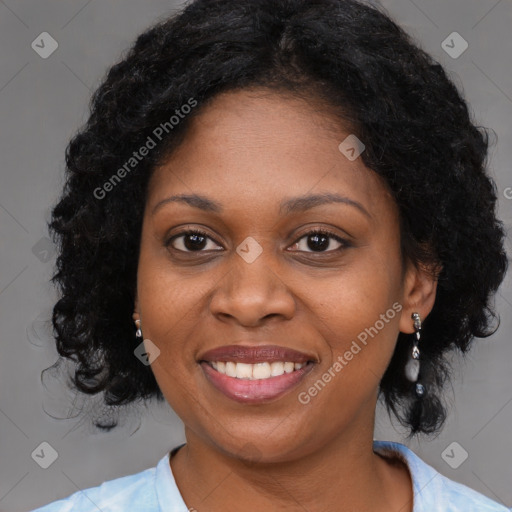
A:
426, 481
167, 492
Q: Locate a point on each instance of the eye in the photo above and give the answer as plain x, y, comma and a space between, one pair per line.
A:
193, 240
320, 241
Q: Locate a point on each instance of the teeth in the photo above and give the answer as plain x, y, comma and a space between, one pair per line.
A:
255, 371
243, 371
230, 369
288, 367
260, 370
276, 368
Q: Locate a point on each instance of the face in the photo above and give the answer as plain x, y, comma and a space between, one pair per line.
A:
291, 245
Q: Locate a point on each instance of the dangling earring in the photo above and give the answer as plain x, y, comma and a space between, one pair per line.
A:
138, 333
412, 368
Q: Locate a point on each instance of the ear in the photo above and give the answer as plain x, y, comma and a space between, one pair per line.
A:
419, 294
136, 315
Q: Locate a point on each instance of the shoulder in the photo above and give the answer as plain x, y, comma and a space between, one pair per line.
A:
432, 490
132, 492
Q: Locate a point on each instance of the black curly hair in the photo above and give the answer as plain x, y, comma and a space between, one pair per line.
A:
419, 137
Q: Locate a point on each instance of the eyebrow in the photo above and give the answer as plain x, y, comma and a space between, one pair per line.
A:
305, 202
292, 205
195, 200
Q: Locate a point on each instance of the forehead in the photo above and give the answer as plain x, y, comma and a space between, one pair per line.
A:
259, 146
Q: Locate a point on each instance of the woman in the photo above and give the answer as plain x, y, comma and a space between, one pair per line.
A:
270, 220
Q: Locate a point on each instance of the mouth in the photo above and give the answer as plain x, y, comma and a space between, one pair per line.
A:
255, 374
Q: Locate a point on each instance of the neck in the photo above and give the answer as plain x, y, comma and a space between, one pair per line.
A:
344, 474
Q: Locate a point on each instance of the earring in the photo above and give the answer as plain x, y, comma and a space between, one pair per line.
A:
138, 333
412, 368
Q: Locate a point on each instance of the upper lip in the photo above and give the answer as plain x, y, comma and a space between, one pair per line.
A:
255, 354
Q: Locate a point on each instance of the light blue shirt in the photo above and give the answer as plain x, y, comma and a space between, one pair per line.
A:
155, 490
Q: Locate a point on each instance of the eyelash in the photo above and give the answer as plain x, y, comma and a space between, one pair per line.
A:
344, 243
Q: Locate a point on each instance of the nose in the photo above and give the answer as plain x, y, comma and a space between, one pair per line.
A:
250, 294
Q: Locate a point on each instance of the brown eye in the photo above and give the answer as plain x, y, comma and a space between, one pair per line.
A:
192, 241
320, 241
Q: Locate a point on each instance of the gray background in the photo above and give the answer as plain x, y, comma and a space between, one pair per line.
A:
44, 101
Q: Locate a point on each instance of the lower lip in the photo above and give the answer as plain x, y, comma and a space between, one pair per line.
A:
255, 391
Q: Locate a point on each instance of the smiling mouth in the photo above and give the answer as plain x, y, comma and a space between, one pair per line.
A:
259, 388
257, 373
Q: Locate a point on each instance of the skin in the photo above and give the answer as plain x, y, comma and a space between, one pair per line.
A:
249, 150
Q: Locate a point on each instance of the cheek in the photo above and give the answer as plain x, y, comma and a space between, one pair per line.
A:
357, 312
170, 314
169, 299
360, 335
